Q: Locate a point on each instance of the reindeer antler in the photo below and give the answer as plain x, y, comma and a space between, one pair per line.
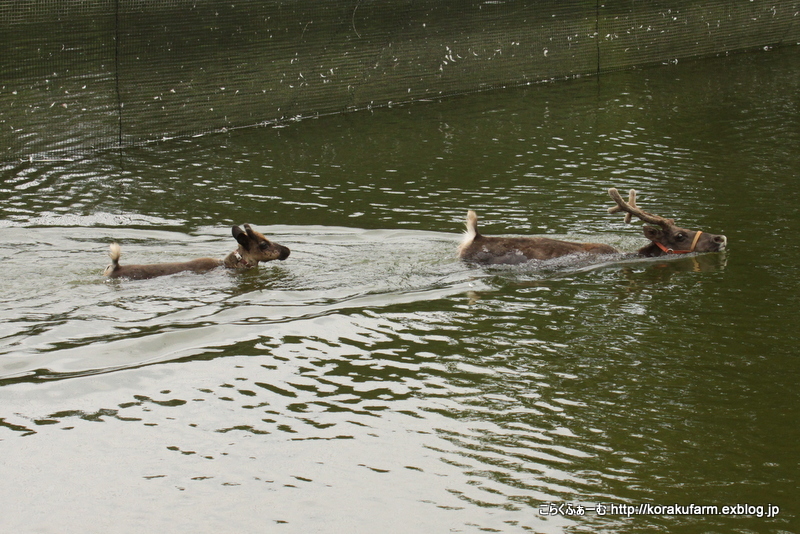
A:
620, 202
630, 208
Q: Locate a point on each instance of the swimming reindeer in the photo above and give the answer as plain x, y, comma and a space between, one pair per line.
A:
253, 248
665, 238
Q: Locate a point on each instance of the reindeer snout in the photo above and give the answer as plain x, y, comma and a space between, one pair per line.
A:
721, 241
284, 252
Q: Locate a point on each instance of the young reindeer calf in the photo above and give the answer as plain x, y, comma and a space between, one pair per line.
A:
666, 239
253, 248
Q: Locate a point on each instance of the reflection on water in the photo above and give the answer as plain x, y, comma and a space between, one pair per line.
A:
372, 381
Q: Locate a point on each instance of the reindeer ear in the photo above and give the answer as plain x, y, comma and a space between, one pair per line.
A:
250, 232
240, 236
652, 233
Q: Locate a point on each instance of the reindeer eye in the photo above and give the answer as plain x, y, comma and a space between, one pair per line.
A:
264, 245
680, 236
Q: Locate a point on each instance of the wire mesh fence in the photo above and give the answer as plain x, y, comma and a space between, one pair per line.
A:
88, 74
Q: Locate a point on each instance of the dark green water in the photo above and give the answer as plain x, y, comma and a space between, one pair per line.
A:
372, 382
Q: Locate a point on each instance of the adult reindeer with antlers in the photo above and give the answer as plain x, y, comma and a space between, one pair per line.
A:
666, 238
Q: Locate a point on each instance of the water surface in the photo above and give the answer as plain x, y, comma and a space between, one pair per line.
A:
372, 382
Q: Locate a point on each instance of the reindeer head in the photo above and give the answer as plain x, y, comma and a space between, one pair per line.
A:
666, 237
254, 247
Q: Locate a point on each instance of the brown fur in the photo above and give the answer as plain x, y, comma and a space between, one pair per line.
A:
510, 250
253, 248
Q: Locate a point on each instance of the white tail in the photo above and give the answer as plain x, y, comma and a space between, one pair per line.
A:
114, 253
471, 231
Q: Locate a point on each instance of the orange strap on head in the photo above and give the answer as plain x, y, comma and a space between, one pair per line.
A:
670, 251
695, 240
